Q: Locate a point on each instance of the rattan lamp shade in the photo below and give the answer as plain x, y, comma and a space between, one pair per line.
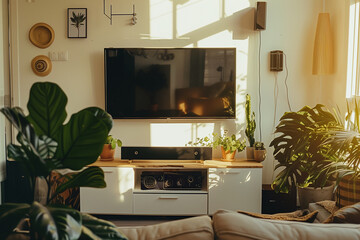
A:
323, 59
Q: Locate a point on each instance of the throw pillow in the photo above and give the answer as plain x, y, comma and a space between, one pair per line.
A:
348, 214
287, 216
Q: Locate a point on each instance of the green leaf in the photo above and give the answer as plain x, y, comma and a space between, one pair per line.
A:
81, 140
42, 224
68, 222
46, 107
10, 216
102, 116
89, 177
33, 151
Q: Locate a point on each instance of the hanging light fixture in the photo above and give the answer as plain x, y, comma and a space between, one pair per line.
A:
323, 58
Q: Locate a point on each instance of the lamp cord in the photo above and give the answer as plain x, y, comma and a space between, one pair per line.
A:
260, 86
287, 88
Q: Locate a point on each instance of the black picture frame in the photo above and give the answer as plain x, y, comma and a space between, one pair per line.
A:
77, 22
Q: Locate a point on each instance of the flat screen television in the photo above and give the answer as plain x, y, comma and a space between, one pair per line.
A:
180, 83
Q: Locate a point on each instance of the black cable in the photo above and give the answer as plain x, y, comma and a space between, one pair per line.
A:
260, 87
287, 88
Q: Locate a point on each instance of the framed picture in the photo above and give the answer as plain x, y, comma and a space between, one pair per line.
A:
77, 22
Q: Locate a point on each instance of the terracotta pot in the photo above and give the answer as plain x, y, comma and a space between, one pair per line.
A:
259, 155
310, 194
107, 153
348, 191
227, 155
250, 153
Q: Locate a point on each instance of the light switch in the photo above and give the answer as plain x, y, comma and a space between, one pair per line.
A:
63, 56
53, 56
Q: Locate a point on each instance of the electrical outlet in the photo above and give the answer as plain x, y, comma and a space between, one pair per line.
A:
63, 56
53, 56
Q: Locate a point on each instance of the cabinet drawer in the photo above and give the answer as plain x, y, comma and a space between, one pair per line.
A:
170, 204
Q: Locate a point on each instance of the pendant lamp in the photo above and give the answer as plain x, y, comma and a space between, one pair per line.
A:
323, 58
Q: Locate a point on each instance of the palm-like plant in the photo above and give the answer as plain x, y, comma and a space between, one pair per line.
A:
77, 21
344, 145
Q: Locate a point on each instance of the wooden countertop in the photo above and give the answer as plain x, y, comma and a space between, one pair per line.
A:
238, 163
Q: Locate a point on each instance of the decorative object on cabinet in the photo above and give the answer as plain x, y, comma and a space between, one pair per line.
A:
133, 14
41, 65
229, 144
259, 152
45, 145
77, 22
250, 128
108, 151
41, 35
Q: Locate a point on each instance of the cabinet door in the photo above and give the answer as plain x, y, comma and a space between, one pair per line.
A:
235, 189
116, 198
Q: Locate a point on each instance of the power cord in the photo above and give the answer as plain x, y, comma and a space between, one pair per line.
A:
276, 95
260, 86
287, 88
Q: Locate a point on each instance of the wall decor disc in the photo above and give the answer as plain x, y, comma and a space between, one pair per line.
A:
41, 35
41, 65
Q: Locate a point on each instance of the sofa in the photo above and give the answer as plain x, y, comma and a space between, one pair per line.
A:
229, 225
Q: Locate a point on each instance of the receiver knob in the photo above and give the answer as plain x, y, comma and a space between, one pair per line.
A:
149, 182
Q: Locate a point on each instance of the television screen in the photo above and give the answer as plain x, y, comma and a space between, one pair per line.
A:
170, 82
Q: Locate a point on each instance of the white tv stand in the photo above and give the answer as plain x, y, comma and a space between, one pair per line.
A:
227, 185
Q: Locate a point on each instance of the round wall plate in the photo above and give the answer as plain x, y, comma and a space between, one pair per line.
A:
41, 35
41, 65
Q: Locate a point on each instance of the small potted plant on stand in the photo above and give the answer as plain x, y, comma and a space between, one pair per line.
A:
250, 128
259, 152
229, 144
108, 151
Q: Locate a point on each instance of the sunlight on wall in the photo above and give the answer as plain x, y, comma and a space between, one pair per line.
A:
178, 134
187, 20
161, 15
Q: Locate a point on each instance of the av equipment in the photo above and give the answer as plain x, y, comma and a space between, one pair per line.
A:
170, 83
260, 16
166, 153
172, 180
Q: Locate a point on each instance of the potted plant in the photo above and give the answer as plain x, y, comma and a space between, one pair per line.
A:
45, 144
108, 151
229, 144
259, 152
299, 150
250, 128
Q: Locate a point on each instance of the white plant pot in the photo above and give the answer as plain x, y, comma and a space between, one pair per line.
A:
310, 195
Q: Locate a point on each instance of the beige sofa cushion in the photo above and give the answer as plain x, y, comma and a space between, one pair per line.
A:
231, 225
189, 228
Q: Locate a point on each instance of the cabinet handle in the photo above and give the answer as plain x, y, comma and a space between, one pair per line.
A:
169, 197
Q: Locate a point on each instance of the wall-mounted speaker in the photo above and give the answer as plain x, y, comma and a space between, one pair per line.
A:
276, 61
260, 16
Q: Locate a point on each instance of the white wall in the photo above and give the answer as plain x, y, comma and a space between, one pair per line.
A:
165, 23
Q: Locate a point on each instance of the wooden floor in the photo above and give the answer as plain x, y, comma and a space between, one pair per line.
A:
124, 221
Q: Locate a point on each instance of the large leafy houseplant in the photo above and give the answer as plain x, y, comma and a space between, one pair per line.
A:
299, 148
46, 144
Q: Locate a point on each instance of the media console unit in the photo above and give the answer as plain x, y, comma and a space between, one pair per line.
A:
154, 188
